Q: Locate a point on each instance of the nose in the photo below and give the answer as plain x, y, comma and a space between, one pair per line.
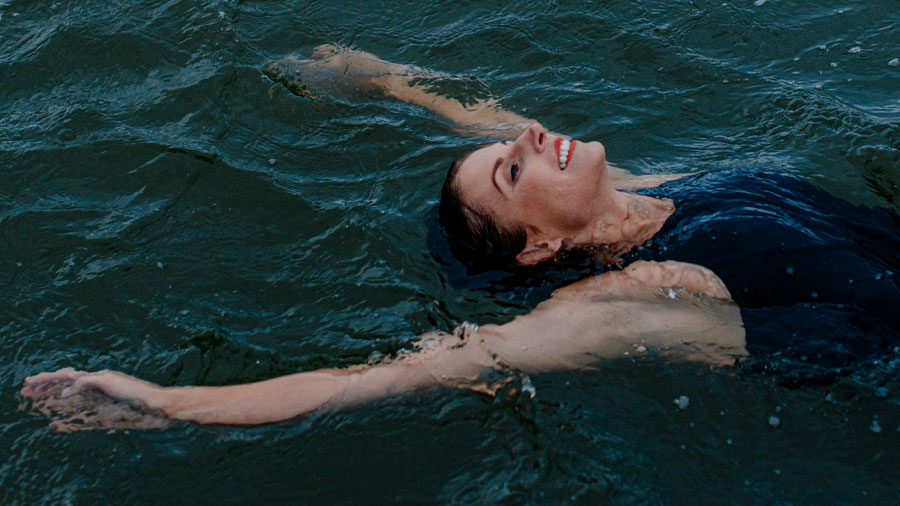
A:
534, 137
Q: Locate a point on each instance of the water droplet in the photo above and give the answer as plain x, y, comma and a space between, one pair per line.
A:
159, 265
774, 421
855, 50
789, 270
829, 397
777, 471
728, 441
834, 64
524, 348
185, 312
682, 402
671, 293
823, 48
878, 277
759, 2
875, 426
272, 161
817, 86
528, 387
894, 63
641, 349
19, 264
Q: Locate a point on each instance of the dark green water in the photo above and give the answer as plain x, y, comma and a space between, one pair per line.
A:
167, 211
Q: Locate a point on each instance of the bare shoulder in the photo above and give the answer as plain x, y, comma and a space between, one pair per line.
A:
642, 275
626, 181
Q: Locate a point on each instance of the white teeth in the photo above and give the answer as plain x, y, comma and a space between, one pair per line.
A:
564, 153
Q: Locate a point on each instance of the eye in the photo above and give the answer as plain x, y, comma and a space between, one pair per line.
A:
514, 172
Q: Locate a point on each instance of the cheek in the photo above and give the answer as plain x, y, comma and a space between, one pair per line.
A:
563, 205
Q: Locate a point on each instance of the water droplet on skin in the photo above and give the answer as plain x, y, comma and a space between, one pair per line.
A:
682, 402
524, 348
774, 421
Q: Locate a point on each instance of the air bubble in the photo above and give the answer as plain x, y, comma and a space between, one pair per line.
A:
881, 392
875, 426
682, 402
789, 271
894, 63
855, 50
774, 421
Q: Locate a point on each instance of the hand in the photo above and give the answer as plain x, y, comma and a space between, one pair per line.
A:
79, 400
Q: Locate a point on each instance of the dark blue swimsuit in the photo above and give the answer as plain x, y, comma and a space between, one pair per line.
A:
816, 277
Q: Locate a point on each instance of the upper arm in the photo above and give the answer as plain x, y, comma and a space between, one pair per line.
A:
611, 315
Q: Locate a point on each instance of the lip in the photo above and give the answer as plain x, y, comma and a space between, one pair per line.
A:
558, 143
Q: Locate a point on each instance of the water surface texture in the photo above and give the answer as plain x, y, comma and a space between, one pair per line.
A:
168, 211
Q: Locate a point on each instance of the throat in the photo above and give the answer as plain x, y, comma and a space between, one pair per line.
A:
633, 221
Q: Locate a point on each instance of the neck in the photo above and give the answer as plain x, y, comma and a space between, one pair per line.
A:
627, 221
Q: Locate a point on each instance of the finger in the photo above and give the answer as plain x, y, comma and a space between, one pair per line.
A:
65, 373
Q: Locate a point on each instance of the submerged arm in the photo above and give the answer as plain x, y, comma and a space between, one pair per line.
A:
653, 305
335, 67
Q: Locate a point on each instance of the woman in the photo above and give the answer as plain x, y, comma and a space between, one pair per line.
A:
530, 199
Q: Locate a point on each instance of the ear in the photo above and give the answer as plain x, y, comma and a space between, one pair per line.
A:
535, 253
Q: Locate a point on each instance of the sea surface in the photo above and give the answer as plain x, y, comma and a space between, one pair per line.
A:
168, 211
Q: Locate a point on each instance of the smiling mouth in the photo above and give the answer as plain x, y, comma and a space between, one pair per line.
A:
564, 150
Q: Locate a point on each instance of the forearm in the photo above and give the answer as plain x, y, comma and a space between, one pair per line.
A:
485, 117
291, 396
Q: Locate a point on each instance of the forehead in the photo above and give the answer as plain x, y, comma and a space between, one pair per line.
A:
475, 176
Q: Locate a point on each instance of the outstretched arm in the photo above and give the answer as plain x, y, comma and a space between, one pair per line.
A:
679, 310
342, 68
345, 69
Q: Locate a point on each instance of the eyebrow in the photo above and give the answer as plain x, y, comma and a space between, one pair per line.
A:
494, 175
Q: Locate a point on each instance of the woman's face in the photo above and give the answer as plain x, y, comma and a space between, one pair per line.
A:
523, 182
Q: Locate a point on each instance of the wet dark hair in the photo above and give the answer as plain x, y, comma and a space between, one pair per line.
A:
473, 233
